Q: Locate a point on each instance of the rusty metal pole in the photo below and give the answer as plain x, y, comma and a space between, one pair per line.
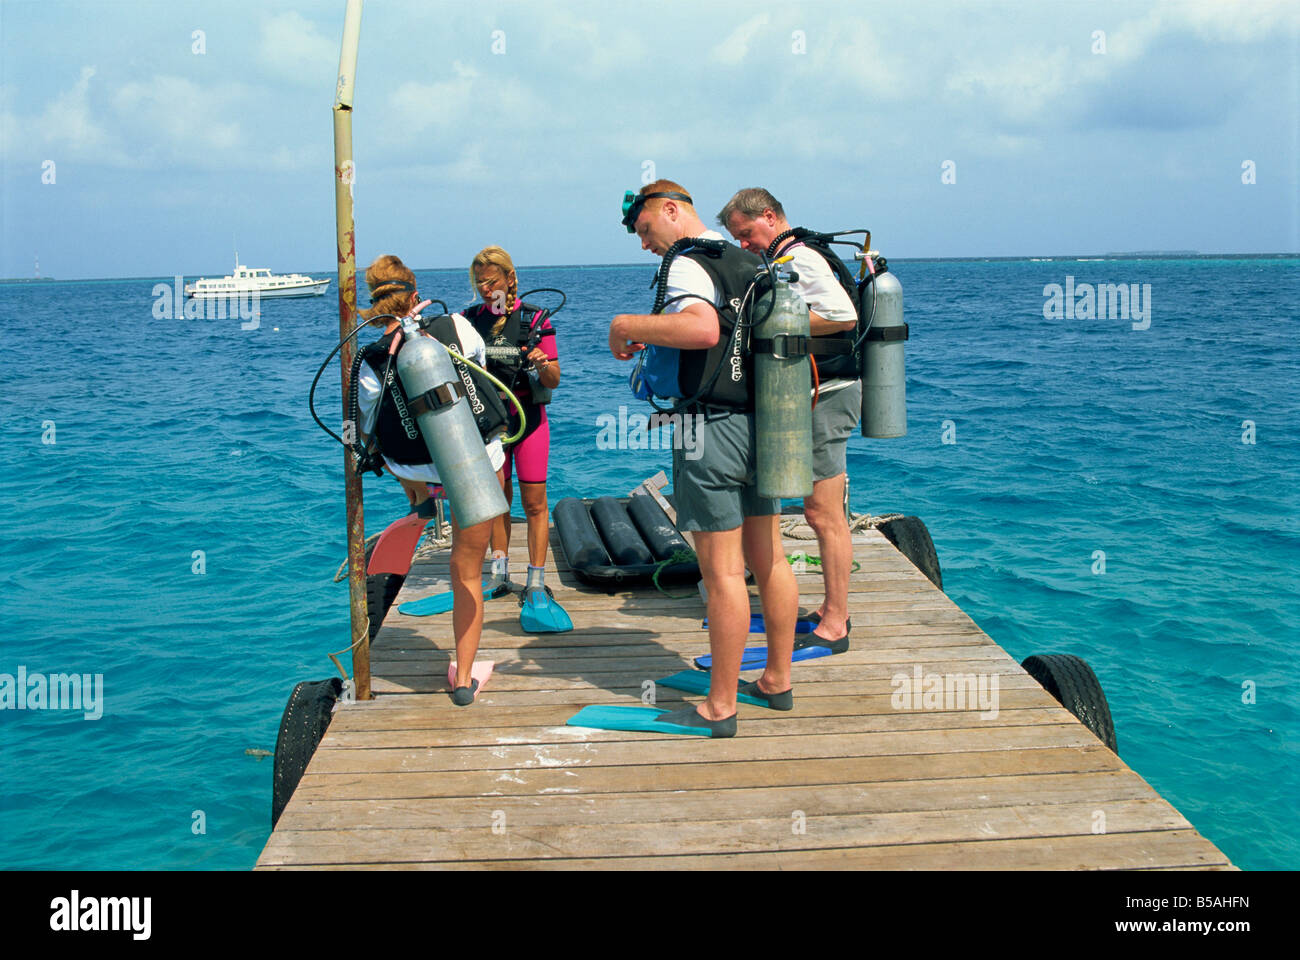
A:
344, 179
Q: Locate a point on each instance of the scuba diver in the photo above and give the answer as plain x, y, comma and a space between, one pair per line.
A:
386, 421
691, 336
756, 220
521, 352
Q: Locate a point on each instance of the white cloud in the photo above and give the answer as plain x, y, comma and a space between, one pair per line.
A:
734, 49
293, 47
180, 118
67, 124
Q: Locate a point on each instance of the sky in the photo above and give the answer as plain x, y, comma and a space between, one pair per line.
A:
147, 138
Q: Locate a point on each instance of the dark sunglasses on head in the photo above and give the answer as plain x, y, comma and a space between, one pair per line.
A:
633, 203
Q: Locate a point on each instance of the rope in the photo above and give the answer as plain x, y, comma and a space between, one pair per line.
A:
679, 556
797, 528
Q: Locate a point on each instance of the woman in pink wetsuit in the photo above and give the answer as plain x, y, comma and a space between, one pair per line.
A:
505, 323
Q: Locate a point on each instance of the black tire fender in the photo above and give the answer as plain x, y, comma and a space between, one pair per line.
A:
381, 590
1072, 682
913, 541
305, 720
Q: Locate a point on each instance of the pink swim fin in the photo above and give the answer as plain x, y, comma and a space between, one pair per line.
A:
480, 671
395, 547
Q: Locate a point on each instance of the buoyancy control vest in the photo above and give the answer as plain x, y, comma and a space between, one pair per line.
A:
396, 429
505, 358
723, 375
836, 358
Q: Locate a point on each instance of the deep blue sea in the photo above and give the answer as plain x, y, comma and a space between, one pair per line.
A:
185, 445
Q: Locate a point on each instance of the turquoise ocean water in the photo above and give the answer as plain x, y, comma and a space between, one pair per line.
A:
1072, 436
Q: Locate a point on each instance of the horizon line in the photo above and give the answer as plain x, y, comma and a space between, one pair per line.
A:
1136, 255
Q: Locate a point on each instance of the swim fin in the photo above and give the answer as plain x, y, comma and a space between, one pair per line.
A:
442, 602
395, 548
479, 670
693, 681
631, 718
539, 613
755, 658
756, 624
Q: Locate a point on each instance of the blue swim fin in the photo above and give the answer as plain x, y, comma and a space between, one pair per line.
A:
442, 602
693, 681
539, 613
630, 718
756, 624
755, 658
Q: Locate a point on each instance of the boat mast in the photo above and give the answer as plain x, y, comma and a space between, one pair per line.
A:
344, 176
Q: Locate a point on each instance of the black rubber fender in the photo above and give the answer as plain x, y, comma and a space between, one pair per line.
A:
381, 591
306, 718
1071, 681
582, 545
654, 526
912, 539
621, 538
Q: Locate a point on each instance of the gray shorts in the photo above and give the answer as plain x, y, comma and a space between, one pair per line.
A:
716, 490
833, 420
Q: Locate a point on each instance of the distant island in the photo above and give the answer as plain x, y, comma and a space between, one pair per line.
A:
1154, 253
25, 279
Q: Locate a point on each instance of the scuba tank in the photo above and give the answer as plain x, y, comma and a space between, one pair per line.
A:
437, 398
783, 394
884, 385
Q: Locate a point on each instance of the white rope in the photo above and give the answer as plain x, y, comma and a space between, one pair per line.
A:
796, 527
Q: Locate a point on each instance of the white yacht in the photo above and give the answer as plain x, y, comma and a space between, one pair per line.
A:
247, 280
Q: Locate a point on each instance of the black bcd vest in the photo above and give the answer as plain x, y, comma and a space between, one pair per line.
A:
731, 270
841, 366
505, 360
396, 428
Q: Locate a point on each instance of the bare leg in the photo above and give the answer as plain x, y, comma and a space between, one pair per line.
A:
824, 511
534, 498
501, 525
467, 548
777, 590
722, 567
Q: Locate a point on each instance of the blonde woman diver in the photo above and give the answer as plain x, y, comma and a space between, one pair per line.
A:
521, 352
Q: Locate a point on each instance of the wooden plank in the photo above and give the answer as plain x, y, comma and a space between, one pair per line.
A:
649, 748
840, 799
543, 781
688, 837
1156, 850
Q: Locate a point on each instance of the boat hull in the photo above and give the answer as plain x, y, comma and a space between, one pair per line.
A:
314, 289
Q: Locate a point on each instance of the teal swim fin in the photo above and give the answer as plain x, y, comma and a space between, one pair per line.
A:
696, 681
539, 613
631, 718
442, 602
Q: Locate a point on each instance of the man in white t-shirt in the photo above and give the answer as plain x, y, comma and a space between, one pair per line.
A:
715, 493
755, 219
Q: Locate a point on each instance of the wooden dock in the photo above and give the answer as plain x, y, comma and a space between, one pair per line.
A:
845, 781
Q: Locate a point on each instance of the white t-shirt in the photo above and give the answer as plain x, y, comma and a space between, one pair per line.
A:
823, 294
369, 391
687, 276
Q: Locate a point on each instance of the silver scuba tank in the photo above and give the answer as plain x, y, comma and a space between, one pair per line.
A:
783, 397
448, 427
884, 386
